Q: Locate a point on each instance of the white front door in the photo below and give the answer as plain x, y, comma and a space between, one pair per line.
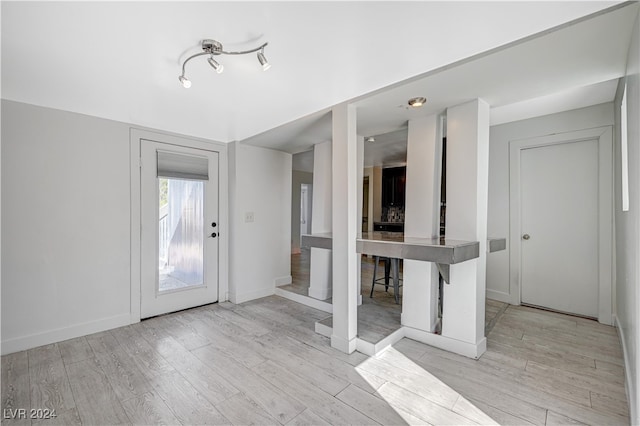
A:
179, 235
559, 226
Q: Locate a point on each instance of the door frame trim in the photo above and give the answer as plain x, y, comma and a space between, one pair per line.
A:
135, 135
604, 136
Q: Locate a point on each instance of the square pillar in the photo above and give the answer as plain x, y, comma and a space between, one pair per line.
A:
422, 220
345, 228
320, 260
466, 219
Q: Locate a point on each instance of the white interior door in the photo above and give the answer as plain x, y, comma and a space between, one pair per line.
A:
559, 227
179, 217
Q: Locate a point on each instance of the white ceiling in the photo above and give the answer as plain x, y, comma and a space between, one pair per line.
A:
573, 66
121, 60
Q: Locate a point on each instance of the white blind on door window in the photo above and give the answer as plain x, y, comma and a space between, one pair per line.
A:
182, 166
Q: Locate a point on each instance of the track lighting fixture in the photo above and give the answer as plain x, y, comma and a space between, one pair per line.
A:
186, 83
214, 47
263, 60
216, 66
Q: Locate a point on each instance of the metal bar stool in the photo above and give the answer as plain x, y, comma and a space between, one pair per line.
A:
391, 266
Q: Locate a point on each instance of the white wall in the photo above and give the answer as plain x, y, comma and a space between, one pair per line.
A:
260, 251
65, 225
298, 178
498, 209
627, 225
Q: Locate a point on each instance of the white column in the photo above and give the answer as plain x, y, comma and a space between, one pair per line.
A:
345, 228
360, 169
466, 219
422, 219
320, 260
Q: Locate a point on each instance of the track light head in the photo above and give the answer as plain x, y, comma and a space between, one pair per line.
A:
186, 83
263, 60
216, 66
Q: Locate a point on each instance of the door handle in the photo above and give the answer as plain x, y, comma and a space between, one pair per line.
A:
213, 235
526, 236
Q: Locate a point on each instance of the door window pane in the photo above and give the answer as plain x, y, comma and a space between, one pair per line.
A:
180, 234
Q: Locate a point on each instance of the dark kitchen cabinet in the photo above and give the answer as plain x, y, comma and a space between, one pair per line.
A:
393, 186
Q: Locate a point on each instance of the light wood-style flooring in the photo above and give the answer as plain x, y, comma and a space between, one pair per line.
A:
378, 316
261, 363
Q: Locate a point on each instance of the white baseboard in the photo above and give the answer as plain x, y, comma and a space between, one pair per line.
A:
305, 300
251, 295
65, 333
499, 296
631, 397
323, 330
469, 350
346, 346
320, 294
283, 280
372, 349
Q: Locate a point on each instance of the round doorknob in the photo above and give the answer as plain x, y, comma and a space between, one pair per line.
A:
526, 236
213, 235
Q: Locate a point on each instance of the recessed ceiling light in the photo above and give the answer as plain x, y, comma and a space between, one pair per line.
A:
371, 139
417, 102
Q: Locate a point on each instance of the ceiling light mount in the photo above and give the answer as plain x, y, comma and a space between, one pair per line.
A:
417, 102
214, 47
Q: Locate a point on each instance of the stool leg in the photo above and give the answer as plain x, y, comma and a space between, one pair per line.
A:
387, 269
396, 280
376, 259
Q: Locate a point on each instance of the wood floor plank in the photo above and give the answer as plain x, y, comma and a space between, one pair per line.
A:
420, 407
75, 350
95, 399
62, 418
49, 384
186, 334
369, 405
500, 416
186, 403
16, 392
394, 367
251, 327
280, 405
583, 349
495, 396
539, 367
530, 391
469, 410
149, 409
240, 410
502, 372
148, 360
326, 406
319, 377
296, 331
602, 402
199, 374
307, 418
322, 360
43, 354
103, 342
228, 345
555, 419
585, 381
126, 380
